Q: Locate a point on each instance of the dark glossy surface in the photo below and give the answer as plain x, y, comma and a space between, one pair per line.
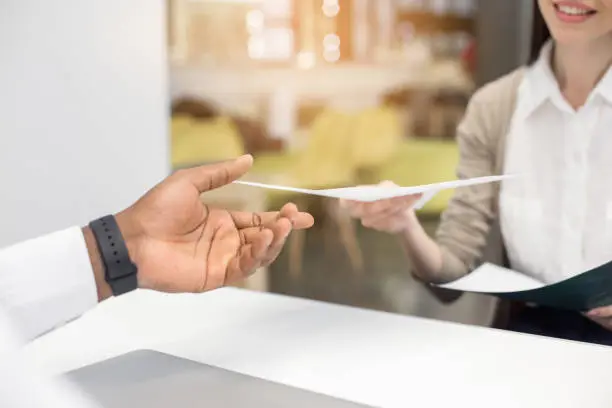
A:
384, 285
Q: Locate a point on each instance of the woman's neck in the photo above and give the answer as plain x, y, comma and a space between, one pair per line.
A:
579, 68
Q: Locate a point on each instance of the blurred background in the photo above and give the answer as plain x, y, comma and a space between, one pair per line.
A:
335, 93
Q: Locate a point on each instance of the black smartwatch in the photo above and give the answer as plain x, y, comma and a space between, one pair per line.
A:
119, 270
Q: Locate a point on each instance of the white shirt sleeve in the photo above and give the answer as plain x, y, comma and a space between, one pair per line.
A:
21, 386
46, 282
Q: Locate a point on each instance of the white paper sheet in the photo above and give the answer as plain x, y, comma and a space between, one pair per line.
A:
428, 195
490, 278
375, 193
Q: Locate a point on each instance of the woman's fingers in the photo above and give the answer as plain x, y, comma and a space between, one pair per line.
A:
393, 206
382, 207
389, 223
387, 215
390, 217
602, 312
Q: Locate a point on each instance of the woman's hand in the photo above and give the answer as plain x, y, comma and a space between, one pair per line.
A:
602, 316
393, 215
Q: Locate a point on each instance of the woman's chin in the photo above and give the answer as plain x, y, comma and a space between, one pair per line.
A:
571, 37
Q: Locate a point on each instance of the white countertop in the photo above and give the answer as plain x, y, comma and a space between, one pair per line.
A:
369, 357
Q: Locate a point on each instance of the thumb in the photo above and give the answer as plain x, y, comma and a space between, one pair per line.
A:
387, 183
212, 176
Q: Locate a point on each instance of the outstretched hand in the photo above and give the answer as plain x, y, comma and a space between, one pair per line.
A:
392, 215
180, 244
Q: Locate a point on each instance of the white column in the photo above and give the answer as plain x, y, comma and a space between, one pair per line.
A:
386, 24
180, 23
83, 110
282, 114
361, 33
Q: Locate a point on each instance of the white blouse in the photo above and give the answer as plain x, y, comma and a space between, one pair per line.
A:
557, 218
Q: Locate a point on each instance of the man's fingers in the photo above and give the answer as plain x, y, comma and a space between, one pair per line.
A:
288, 210
299, 220
263, 246
212, 176
246, 219
256, 244
223, 251
281, 229
241, 265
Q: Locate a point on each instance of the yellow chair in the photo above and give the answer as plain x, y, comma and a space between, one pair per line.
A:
180, 124
326, 162
377, 134
339, 144
422, 162
205, 141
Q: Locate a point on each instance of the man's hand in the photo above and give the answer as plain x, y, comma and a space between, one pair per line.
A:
602, 316
179, 244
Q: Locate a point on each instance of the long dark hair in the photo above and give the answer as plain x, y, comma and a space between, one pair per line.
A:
539, 33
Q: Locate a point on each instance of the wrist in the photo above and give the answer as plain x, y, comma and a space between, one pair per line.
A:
113, 279
410, 221
131, 233
102, 287
131, 230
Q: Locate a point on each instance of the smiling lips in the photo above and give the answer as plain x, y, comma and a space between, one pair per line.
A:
573, 11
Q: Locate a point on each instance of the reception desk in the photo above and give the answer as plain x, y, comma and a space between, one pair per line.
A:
364, 356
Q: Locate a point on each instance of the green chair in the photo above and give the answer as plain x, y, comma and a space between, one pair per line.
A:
325, 162
377, 134
423, 162
205, 141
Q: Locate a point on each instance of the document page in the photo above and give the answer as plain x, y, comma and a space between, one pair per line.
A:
375, 193
491, 278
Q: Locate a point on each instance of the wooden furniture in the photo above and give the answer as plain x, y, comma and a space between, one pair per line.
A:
252, 132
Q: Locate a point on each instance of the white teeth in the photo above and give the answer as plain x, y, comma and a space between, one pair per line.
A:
573, 11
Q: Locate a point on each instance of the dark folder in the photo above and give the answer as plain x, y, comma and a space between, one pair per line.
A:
583, 292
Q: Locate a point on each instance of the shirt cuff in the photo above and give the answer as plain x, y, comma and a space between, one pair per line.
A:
47, 281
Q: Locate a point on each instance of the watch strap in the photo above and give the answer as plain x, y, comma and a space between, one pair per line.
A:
119, 270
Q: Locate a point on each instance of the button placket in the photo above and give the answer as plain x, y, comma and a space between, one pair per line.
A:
583, 136
574, 211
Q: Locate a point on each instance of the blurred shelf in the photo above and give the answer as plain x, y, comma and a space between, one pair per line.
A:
425, 22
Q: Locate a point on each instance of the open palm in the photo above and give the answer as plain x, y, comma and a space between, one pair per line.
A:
179, 244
